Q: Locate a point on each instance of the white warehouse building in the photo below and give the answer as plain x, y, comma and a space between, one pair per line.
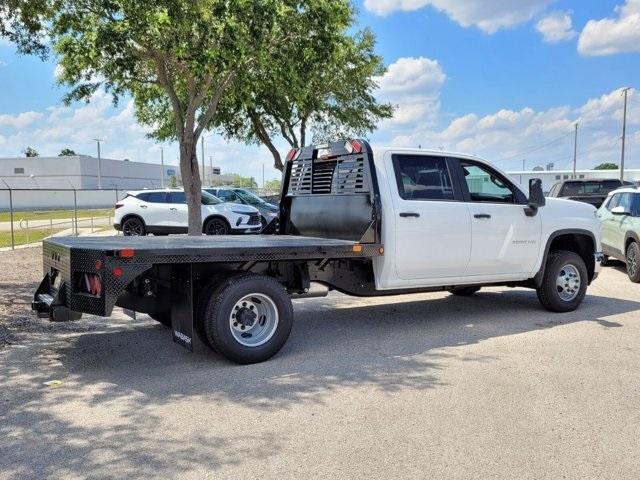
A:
550, 177
83, 172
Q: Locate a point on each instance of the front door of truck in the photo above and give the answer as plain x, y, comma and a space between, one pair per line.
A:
432, 225
504, 240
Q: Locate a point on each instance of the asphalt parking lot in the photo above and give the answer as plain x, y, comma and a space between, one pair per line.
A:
420, 386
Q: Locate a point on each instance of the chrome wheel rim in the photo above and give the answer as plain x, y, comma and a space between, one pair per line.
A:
132, 228
253, 320
632, 261
568, 282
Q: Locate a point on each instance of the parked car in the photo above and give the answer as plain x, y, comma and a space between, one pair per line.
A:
620, 220
588, 191
268, 211
165, 211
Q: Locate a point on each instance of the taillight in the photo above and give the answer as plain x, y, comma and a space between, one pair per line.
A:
118, 205
353, 146
293, 154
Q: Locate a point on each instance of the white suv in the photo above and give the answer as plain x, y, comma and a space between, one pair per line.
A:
162, 212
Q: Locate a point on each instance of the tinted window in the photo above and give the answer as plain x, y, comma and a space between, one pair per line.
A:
613, 202
590, 186
420, 177
177, 197
228, 196
209, 199
625, 201
635, 205
486, 186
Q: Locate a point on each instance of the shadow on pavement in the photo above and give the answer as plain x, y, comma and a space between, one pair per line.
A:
336, 342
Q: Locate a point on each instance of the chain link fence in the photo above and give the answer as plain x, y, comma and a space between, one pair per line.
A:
29, 215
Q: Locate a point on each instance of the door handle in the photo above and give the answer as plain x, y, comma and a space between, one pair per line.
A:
482, 215
409, 214
172, 208
143, 206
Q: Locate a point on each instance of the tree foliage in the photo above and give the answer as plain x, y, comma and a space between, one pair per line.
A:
606, 166
23, 23
318, 85
30, 152
273, 185
176, 58
66, 152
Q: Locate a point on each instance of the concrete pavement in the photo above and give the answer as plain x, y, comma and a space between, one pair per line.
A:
420, 386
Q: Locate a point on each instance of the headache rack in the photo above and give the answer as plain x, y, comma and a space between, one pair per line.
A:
331, 191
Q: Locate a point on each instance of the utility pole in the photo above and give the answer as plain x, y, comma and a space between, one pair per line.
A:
575, 150
523, 163
203, 177
625, 92
263, 176
162, 165
211, 169
98, 140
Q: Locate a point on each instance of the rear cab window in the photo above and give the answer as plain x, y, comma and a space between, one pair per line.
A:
422, 177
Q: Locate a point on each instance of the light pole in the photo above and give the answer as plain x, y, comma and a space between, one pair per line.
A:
575, 150
203, 176
162, 165
625, 92
98, 140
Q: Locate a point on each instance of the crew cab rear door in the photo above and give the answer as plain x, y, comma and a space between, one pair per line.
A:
432, 234
505, 242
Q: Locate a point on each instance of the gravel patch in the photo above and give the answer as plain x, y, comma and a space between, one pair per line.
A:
20, 274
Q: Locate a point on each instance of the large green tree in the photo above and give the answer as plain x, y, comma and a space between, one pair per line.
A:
318, 85
175, 58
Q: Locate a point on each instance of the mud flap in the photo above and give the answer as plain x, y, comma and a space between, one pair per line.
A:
182, 300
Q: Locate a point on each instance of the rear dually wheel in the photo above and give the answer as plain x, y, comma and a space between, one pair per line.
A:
248, 318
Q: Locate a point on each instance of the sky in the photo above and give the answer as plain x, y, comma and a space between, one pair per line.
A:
504, 80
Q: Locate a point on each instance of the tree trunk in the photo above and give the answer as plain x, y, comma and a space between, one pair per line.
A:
192, 184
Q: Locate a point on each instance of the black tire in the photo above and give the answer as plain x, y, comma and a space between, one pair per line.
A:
551, 294
221, 304
205, 295
464, 291
133, 227
163, 317
216, 226
632, 256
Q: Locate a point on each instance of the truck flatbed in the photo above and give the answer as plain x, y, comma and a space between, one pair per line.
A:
179, 248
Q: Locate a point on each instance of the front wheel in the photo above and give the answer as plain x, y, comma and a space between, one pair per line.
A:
564, 284
632, 258
248, 318
216, 226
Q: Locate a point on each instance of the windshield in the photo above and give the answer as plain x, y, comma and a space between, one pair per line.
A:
594, 186
249, 197
208, 199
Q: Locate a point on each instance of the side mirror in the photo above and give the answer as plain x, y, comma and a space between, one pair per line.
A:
619, 210
536, 197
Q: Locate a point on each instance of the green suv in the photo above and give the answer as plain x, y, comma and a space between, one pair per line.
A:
620, 219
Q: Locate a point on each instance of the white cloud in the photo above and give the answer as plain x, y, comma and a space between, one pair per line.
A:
413, 86
556, 27
488, 15
609, 36
75, 127
20, 120
508, 137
